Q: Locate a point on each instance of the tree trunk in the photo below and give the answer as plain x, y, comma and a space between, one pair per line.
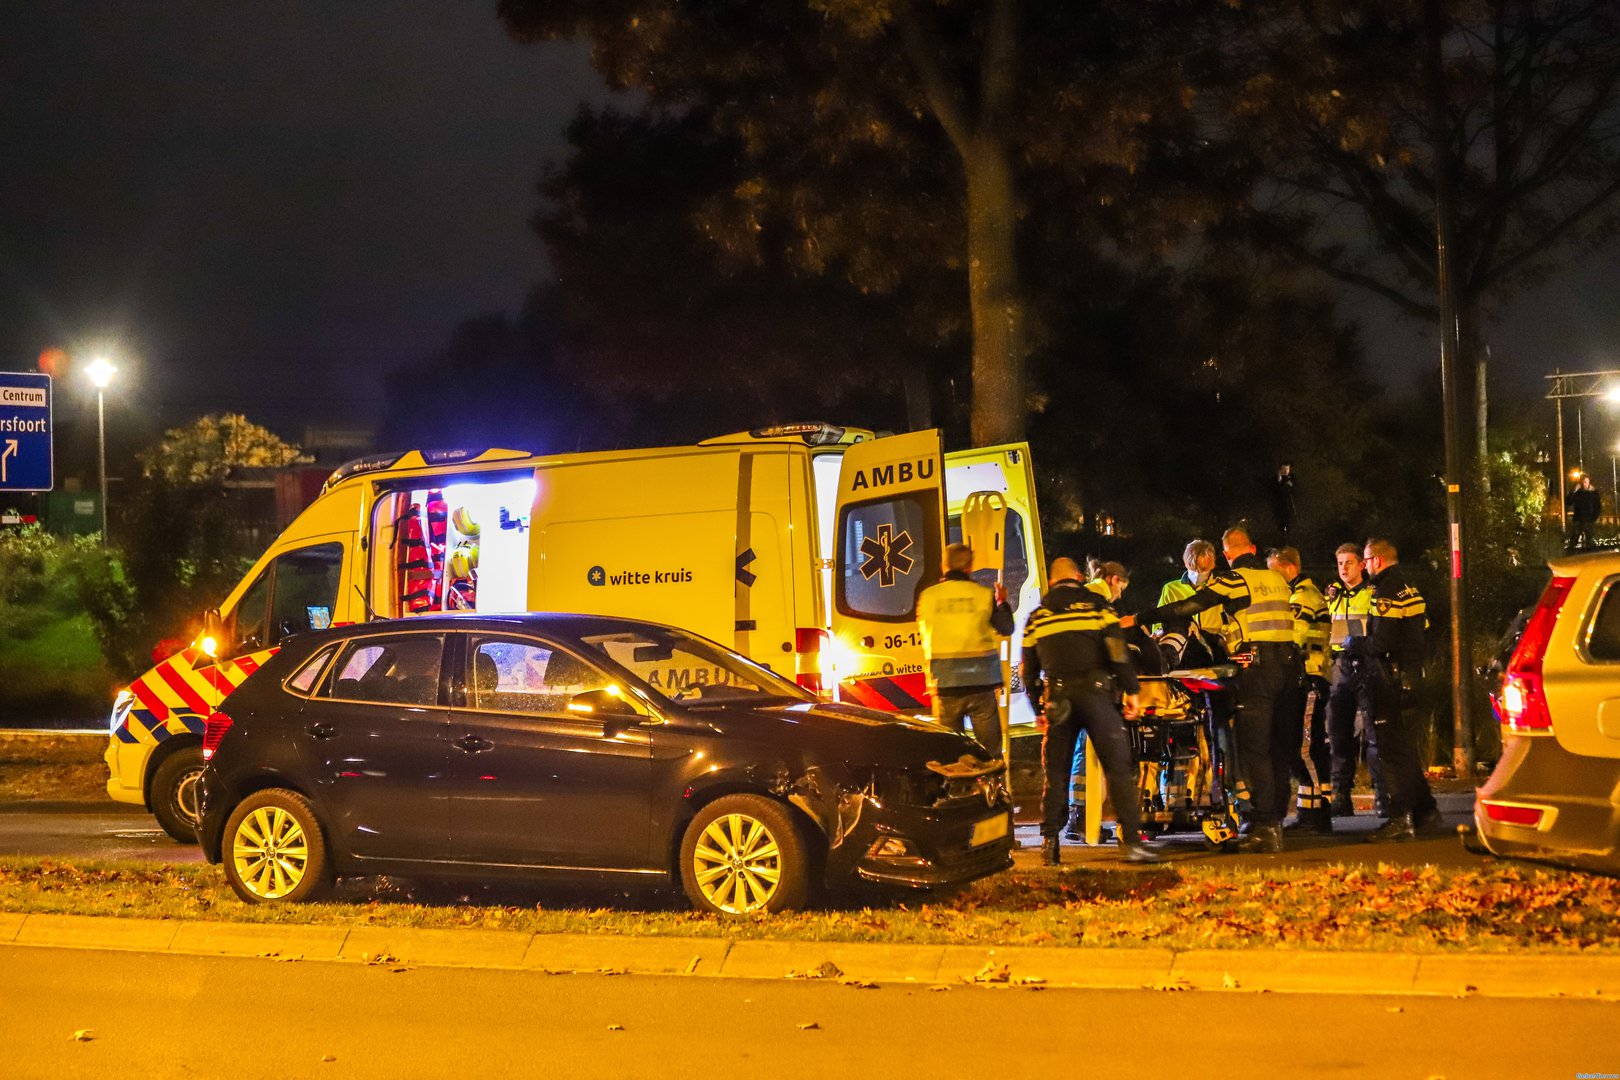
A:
995, 294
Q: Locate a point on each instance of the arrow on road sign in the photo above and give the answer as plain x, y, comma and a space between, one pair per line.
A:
11, 448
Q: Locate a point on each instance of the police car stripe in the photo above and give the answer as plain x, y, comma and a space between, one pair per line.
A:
148, 697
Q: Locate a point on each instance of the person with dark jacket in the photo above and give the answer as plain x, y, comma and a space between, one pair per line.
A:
1075, 668
1585, 507
1390, 654
962, 625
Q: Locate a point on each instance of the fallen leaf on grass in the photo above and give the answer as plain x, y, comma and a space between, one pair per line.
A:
84, 1035
811, 1026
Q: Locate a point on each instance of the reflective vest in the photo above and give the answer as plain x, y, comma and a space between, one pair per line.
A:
1311, 624
1349, 610
1267, 617
1100, 587
1213, 620
961, 646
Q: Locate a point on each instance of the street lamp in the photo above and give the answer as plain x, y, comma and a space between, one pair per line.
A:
101, 373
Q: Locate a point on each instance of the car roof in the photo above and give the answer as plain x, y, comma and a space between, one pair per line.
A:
560, 623
1602, 561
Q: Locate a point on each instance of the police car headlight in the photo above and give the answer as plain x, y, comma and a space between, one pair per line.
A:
121, 706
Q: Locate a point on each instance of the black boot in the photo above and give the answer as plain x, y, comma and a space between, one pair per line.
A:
1397, 829
1075, 830
1052, 851
1262, 840
1343, 806
1321, 821
1428, 820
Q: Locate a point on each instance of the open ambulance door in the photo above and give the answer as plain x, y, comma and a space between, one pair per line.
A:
890, 541
990, 503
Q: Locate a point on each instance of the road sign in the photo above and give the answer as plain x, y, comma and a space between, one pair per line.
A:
26, 461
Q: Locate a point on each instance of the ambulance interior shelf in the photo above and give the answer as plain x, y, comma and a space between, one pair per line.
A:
460, 546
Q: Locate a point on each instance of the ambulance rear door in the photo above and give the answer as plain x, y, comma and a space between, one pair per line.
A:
1006, 473
889, 541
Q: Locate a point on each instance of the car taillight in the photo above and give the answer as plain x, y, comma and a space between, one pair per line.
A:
807, 642
214, 729
1524, 698
1511, 814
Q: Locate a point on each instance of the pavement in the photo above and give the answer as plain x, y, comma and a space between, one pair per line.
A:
1512, 975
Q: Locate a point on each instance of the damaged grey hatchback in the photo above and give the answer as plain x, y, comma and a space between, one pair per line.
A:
570, 745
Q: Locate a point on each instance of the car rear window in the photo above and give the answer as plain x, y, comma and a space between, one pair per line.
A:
401, 669
304, 681
1603, 639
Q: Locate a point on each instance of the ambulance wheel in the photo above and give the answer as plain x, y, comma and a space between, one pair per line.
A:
174, 794
743, 855
274, 849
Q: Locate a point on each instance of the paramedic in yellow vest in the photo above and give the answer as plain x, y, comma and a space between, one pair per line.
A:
963, 623
1257, 600
1349, 603
1199, 559
1313, 771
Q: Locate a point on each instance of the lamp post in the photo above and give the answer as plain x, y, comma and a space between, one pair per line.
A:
101, 373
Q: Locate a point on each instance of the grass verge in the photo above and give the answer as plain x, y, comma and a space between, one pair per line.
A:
54, 768
1383, 908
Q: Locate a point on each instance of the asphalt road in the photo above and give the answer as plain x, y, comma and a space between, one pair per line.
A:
88, 831
179, 1016
113, 831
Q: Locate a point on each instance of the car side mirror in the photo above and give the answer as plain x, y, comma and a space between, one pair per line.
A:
600, 703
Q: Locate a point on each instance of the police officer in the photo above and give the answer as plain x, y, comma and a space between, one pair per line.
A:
1257, 600
1392, 652
1073, 642
961, 621
1313, 772
1349, 603
1108, 580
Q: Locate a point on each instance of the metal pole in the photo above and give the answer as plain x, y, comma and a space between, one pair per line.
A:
101, 433
1462, 746
1563, 510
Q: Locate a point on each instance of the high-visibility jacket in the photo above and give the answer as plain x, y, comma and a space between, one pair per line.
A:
1210, 620
1100, 587
1395, 629
1348, 611
1311, 624
1255, 597
960, 634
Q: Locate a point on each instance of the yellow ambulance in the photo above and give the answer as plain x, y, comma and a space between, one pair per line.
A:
803, 546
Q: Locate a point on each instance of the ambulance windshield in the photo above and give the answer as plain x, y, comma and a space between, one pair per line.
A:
460, 545
690, 670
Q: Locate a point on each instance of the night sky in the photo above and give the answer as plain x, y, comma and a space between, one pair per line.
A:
266, 208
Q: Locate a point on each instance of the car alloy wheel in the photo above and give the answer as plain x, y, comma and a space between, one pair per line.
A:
274, 849
738, 864
742, 855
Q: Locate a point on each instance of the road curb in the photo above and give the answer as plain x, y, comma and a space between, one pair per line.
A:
1288, 971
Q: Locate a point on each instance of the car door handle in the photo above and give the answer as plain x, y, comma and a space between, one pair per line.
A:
322, 731
473, 744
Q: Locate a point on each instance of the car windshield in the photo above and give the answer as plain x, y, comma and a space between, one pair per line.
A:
680, 667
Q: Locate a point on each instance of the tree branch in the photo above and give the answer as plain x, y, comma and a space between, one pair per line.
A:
924, 48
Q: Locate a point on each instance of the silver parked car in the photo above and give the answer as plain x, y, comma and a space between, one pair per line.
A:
1555, 793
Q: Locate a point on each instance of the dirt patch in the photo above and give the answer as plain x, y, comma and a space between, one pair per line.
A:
52, 768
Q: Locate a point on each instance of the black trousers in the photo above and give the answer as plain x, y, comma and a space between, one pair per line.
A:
1313, 769
1087, 705
1265, 691
1349, 693
1406, 788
